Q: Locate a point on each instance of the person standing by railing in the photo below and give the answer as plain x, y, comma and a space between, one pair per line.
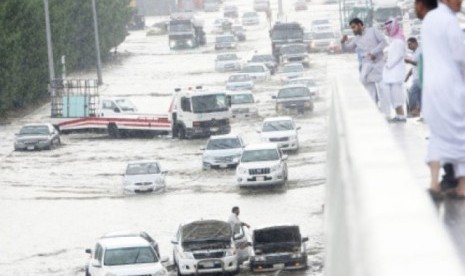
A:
444, 92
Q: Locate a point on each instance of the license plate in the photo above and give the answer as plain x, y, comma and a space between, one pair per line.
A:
260, 178
223, 166
278, 266
214, 129
208, 265
30, 147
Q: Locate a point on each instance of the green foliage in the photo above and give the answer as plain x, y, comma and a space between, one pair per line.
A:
23, 49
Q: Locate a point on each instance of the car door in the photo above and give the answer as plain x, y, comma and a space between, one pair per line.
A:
97, 256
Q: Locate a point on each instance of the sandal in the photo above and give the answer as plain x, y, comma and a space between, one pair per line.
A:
435, 195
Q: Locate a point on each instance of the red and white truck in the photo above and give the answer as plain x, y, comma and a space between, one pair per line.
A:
192, 113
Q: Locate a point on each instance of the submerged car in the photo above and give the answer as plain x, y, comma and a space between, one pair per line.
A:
141, 234
227, 62
227, 41
222, 151
243, 104
278, 247
37, 137
121, 256
250, 18
281, 131
309, 83
239, 32
262, 165
324, 42
208, 246
144, 176
221, 25
240, 81
294, 53
295, 97
292, 71
257, 71
268, 60
231, 12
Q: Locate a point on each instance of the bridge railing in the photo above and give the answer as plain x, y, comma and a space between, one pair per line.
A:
379, 221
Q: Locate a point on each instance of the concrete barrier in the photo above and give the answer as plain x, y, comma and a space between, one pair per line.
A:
379, 222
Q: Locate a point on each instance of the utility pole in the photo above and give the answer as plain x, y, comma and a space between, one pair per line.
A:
51, 66
97, 44
280, 9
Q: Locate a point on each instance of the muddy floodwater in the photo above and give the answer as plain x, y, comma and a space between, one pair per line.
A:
55, 204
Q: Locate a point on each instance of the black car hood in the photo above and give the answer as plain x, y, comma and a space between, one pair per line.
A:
277, 239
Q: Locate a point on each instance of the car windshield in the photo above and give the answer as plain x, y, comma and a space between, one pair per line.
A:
293, 49
242, 99
287, 34
294, 92
180, 27
277, 126
126, 105
253, 69
250, 14
131, 255
34, 130
142, 168
293, 68
221, 144
227, 57
262, 58
260, 155
209, 103
323, 35
225, 39
239, 78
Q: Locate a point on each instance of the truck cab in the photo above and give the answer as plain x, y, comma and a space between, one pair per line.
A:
200, 113
283, 34
116, 107
185, 31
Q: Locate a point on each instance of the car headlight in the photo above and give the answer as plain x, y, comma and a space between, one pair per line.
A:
187, 255
172, 43
275, 168
161, 273
189, 42
242, 170
260, 258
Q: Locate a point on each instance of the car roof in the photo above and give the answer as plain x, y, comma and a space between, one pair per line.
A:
201, 220
294, 85
265, 227
124, 233
254, 64
282, 118
123, 242
261, 146
240, 92
225, 136
142, 161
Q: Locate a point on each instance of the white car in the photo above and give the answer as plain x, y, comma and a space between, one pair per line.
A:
122, 256
239, 82
262, 165
309, 83
221, 24
292, 71
228, 62
243, 104
319, 25
282, 131
250, 18
226, 41
222, 151
208, 246
257, 71
144, 176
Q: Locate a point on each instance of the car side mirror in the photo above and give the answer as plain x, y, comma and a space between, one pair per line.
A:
305, 239
285, 157
238, 236
164, 259
173, 241
88, 251
116, 110
95, 263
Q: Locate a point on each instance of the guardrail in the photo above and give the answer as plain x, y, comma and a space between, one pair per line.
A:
379, 221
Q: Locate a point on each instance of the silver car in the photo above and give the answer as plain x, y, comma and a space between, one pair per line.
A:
37, 137
239, 82
144, 176
309, 83
222, 151
227, 62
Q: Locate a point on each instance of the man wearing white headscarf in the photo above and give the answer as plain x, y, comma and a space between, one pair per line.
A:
444, 92
392, 90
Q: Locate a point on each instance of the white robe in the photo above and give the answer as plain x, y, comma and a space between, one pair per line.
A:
444, 87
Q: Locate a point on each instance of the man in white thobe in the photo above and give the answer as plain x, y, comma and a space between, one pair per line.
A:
371, 43
444, 91
234, 220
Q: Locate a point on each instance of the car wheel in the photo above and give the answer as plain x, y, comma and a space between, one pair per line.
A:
113, 130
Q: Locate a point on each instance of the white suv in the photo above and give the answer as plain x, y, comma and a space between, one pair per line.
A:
262, 164
208, 246
282, 131
124, 256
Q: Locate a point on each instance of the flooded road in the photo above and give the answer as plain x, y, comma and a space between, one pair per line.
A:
54, 204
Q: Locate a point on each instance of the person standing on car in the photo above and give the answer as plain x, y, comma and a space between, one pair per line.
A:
371, 43
234, 220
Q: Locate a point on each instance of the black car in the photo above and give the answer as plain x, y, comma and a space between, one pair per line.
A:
278, 247
239, 32
268, 60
